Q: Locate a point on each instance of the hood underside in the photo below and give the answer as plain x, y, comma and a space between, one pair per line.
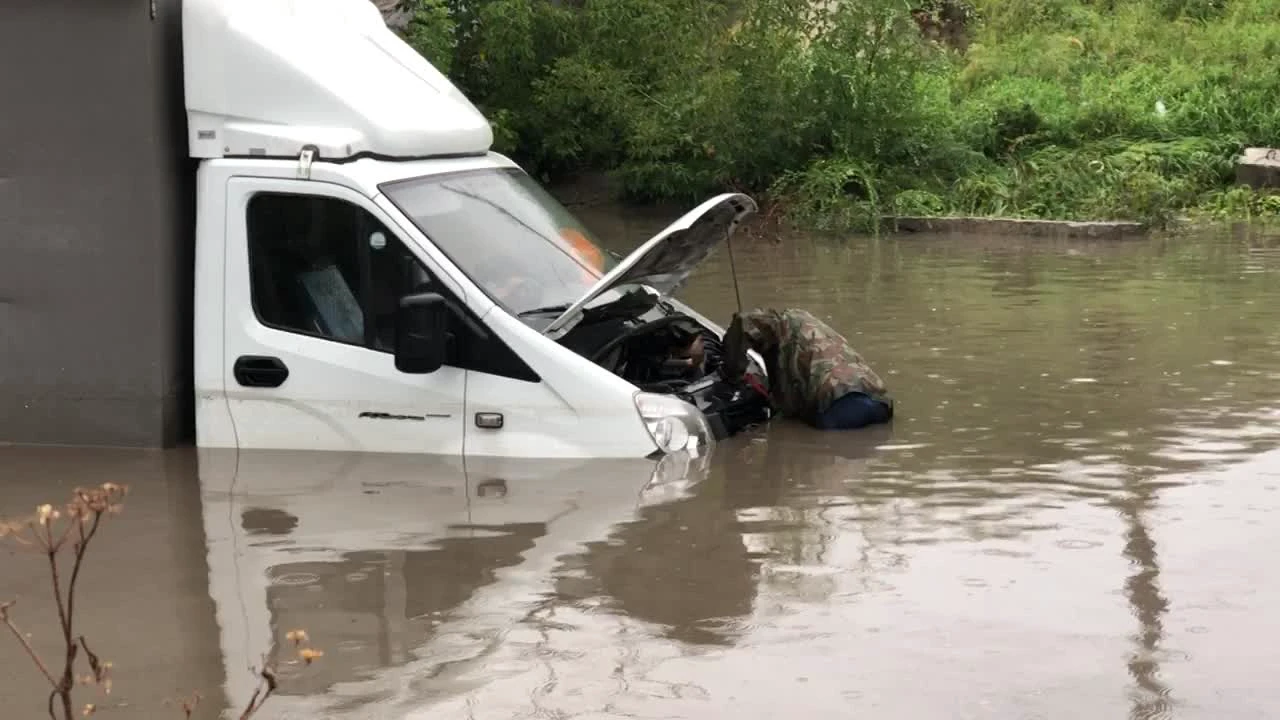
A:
666, 260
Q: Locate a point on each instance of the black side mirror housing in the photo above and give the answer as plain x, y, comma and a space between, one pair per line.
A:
422, 333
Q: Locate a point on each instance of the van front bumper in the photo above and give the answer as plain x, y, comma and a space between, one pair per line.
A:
729, 409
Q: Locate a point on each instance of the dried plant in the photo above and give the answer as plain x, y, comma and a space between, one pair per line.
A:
56, 532
51, 531
267, 676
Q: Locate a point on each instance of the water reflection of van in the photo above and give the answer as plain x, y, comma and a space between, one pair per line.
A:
370, 276
379, 557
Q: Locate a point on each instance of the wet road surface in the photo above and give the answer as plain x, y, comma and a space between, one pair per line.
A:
1072, 515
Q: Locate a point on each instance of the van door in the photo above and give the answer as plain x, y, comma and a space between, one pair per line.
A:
314, 275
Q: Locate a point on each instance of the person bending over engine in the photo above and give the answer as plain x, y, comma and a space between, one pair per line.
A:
814, 374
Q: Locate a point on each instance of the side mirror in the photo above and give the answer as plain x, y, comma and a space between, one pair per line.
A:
422, 327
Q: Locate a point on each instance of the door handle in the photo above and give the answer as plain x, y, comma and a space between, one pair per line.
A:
260, 371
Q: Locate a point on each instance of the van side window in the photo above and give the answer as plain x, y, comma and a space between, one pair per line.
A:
324, 267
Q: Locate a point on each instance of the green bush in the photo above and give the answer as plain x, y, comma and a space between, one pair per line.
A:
843, 111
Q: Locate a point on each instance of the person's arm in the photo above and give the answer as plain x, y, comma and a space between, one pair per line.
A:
691, 356
760, 327
751, 330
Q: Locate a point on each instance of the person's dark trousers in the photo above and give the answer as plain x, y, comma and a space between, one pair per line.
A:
853, 411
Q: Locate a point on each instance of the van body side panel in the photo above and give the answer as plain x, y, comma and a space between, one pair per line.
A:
96, 236
214, 427
578, 410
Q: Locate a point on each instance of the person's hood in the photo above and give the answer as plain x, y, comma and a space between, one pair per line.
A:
667, 259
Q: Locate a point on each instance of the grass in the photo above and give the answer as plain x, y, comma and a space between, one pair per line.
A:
1054, 109
1131, 110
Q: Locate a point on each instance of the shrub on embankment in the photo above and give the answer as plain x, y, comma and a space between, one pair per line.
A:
843, 111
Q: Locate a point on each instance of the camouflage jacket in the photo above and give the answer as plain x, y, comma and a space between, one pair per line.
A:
810, 364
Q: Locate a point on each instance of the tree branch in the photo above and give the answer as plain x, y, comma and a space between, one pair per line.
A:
56, 579
81, 547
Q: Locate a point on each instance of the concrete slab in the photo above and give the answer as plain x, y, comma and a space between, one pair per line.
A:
1259, 168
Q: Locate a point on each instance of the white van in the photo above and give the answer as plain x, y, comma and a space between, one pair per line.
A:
371, 277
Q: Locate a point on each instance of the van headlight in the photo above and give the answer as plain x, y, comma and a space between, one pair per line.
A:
674, 424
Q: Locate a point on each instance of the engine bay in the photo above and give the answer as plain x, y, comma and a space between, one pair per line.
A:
659, 349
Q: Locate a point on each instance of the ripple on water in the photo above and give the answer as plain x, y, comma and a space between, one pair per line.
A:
1078, 544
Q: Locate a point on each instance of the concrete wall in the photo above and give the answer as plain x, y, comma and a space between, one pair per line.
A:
96, 240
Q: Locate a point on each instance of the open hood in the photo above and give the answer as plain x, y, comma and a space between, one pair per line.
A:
667, 259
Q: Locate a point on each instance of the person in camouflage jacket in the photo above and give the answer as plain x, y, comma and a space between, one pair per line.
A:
814, 374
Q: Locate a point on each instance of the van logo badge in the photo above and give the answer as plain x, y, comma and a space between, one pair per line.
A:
389, 416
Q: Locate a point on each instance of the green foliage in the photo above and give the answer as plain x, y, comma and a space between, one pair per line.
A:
1240, 203
844, 112
431, 31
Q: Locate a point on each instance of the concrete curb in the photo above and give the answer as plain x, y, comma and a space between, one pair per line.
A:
1055, 229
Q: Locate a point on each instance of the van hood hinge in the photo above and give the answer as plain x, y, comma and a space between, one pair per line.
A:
305, 158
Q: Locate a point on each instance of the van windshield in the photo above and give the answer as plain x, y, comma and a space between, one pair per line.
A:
511, 237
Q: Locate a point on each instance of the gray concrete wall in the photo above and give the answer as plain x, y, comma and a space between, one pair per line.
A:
96, 239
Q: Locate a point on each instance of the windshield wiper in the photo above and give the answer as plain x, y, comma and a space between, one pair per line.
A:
545, 310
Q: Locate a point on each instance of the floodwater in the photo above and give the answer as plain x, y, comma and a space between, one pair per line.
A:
1073, 515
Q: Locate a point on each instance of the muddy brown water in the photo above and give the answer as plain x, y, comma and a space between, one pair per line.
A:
1074, 514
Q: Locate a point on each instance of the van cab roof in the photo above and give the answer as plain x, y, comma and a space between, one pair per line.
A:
268, 78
